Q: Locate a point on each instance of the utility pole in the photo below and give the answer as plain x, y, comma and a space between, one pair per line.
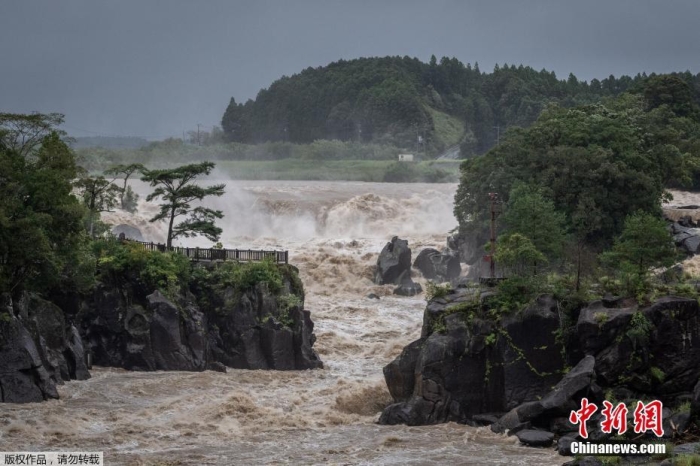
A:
199, 141
498, 133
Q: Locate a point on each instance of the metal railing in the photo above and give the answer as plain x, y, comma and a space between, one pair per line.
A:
213, 254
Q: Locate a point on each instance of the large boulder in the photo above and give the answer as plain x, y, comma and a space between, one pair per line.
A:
394, 262
685, 237
408, 288
437, 266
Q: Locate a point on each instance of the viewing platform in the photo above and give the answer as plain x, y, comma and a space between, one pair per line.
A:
214, 254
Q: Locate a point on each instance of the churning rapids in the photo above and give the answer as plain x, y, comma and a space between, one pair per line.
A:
334, 232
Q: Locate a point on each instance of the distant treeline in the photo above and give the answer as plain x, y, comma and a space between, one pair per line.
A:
414, 105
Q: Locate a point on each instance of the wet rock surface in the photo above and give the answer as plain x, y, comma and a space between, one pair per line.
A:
394, 263
249, 331
467, 366
437, 266
38, 350
122, 326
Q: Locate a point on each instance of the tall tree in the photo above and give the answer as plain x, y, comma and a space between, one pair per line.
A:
126, 194
24, 134
41, 233
645, 242
177, 189
99, 195
532, 215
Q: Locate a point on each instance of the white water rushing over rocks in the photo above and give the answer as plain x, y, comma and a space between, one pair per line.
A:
334, 232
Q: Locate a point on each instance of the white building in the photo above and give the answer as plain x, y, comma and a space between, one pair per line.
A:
405, 157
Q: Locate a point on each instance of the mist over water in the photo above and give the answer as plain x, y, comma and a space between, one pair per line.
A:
334, 232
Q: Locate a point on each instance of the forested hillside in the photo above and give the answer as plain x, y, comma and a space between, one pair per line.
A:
419, 106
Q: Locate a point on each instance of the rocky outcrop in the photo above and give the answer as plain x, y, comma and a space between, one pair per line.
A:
256, 332
149, 334
394, 263
38, 350
250, 331
437, 266
686, 236
465, 365
468, 365
468, 247
122, 325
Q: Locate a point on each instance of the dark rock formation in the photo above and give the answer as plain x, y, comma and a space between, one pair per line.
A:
437, 266
254, 332
469, 248
535, 438
123, 325
686, 237
38, 350
408, 288
394, 263
467, 364
154, 333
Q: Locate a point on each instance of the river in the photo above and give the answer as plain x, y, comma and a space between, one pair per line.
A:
334, 232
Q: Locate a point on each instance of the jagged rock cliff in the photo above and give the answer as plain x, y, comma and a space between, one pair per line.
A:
123, 324
39, 349
525, 370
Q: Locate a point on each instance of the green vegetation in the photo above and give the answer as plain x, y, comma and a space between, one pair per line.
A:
582, 187
43, 243
435, 291
51, 239
449, 129
98, 195
152, 270
687, 460
177, 190
320, 160
397, 99
657, 374
644, 243
127, 197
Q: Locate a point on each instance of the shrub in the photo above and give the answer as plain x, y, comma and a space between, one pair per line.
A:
155, 270
434, 291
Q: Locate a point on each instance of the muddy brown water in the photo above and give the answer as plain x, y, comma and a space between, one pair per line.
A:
334, 232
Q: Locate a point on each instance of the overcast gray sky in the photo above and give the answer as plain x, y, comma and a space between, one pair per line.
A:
155, 68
